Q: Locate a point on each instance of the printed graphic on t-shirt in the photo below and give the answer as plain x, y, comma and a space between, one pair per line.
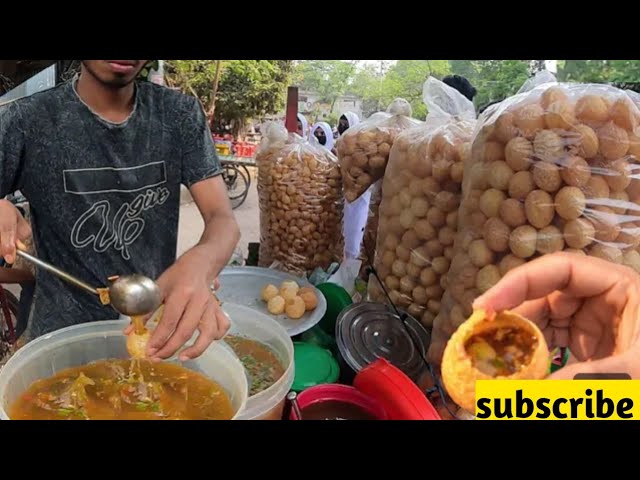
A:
117, 227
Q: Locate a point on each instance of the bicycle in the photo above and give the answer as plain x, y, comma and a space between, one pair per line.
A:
237, 178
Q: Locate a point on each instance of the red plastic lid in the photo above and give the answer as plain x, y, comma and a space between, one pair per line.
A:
400, 397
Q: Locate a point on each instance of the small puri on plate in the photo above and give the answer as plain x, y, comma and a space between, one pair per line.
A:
497, 345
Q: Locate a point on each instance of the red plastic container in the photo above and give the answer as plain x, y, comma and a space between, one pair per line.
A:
340, 393
380, 389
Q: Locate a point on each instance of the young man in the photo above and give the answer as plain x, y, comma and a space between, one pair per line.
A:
101, 159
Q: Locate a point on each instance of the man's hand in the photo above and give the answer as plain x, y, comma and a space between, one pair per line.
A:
13, 227
189, 305
584, 303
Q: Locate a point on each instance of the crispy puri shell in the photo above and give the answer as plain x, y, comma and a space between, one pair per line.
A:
458, 373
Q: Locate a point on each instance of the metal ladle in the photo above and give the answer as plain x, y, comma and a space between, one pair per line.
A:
130, 295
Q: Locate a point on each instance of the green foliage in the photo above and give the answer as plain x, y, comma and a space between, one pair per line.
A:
247, 89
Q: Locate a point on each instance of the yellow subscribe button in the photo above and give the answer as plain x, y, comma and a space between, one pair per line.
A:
558, 399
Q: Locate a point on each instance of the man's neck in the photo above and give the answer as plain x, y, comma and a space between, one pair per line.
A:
113, 104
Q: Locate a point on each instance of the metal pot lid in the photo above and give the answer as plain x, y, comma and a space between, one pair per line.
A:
368, 331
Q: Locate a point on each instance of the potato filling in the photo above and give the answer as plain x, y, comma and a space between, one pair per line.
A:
501, 351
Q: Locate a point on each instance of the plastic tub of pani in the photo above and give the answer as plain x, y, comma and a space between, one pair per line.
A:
103, 340
248, 323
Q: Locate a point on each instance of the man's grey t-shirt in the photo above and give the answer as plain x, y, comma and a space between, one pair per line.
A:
104, 197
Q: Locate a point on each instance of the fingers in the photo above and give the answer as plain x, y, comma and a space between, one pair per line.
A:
577, 276
625, 363
214, 324
216, 284
23, 230
186, 325
174, 306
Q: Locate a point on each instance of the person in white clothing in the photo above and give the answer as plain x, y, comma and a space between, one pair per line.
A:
324, 135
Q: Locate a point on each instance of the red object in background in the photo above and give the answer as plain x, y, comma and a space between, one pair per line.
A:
397, 393
291, 121
340, 393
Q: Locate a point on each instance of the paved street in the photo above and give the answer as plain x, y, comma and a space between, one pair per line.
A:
247, 215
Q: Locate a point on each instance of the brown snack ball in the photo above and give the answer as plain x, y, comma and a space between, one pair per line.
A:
499, 175
523, 241
539, 208
388, 257
434, 306
449, 252
392, 283
592, 109
621, 202
548, 146
434, 292
410, 239
391, 242
457, 172
629, 236
440, 265
618, 176
634, 145
512, 212
310, 299
276, 305
419, 257
623, 114
570, 203
478, 176
575, 252
434, 248
546, 176
596, 188
521, 185
575, 172
487, 277
584, 141
407, 219
560, 115
415, 187
579, 233
490, 202
424, 230
606, 223
436, 217
552, 95
430, 187
384, 148
428, 277
493, 151
419, 295
480, 254
508, 263
477, 220
606, 252
518, 153
446, 236
529, 119
419, 207
452, 220
613, 140
446, 202
405, 198
427, 319
505, 129
415, 310
413, 270
399, 268
496, 234
407, 284
632, 259
550, 240
403, 253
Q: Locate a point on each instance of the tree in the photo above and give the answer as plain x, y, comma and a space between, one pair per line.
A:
585, 71
330, 79
248, 89
496, 80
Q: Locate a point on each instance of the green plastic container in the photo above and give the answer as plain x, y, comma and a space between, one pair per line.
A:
337, 300
314, 365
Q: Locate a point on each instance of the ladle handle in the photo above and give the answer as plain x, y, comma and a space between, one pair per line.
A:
50, 268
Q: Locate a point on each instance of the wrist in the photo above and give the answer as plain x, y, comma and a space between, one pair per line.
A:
205, 262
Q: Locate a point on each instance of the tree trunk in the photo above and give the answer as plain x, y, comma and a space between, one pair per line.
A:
216, 81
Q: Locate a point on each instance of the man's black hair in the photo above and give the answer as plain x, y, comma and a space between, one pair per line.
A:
462, 85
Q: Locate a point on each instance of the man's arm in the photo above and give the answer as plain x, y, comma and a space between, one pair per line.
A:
221, 233
189, 304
